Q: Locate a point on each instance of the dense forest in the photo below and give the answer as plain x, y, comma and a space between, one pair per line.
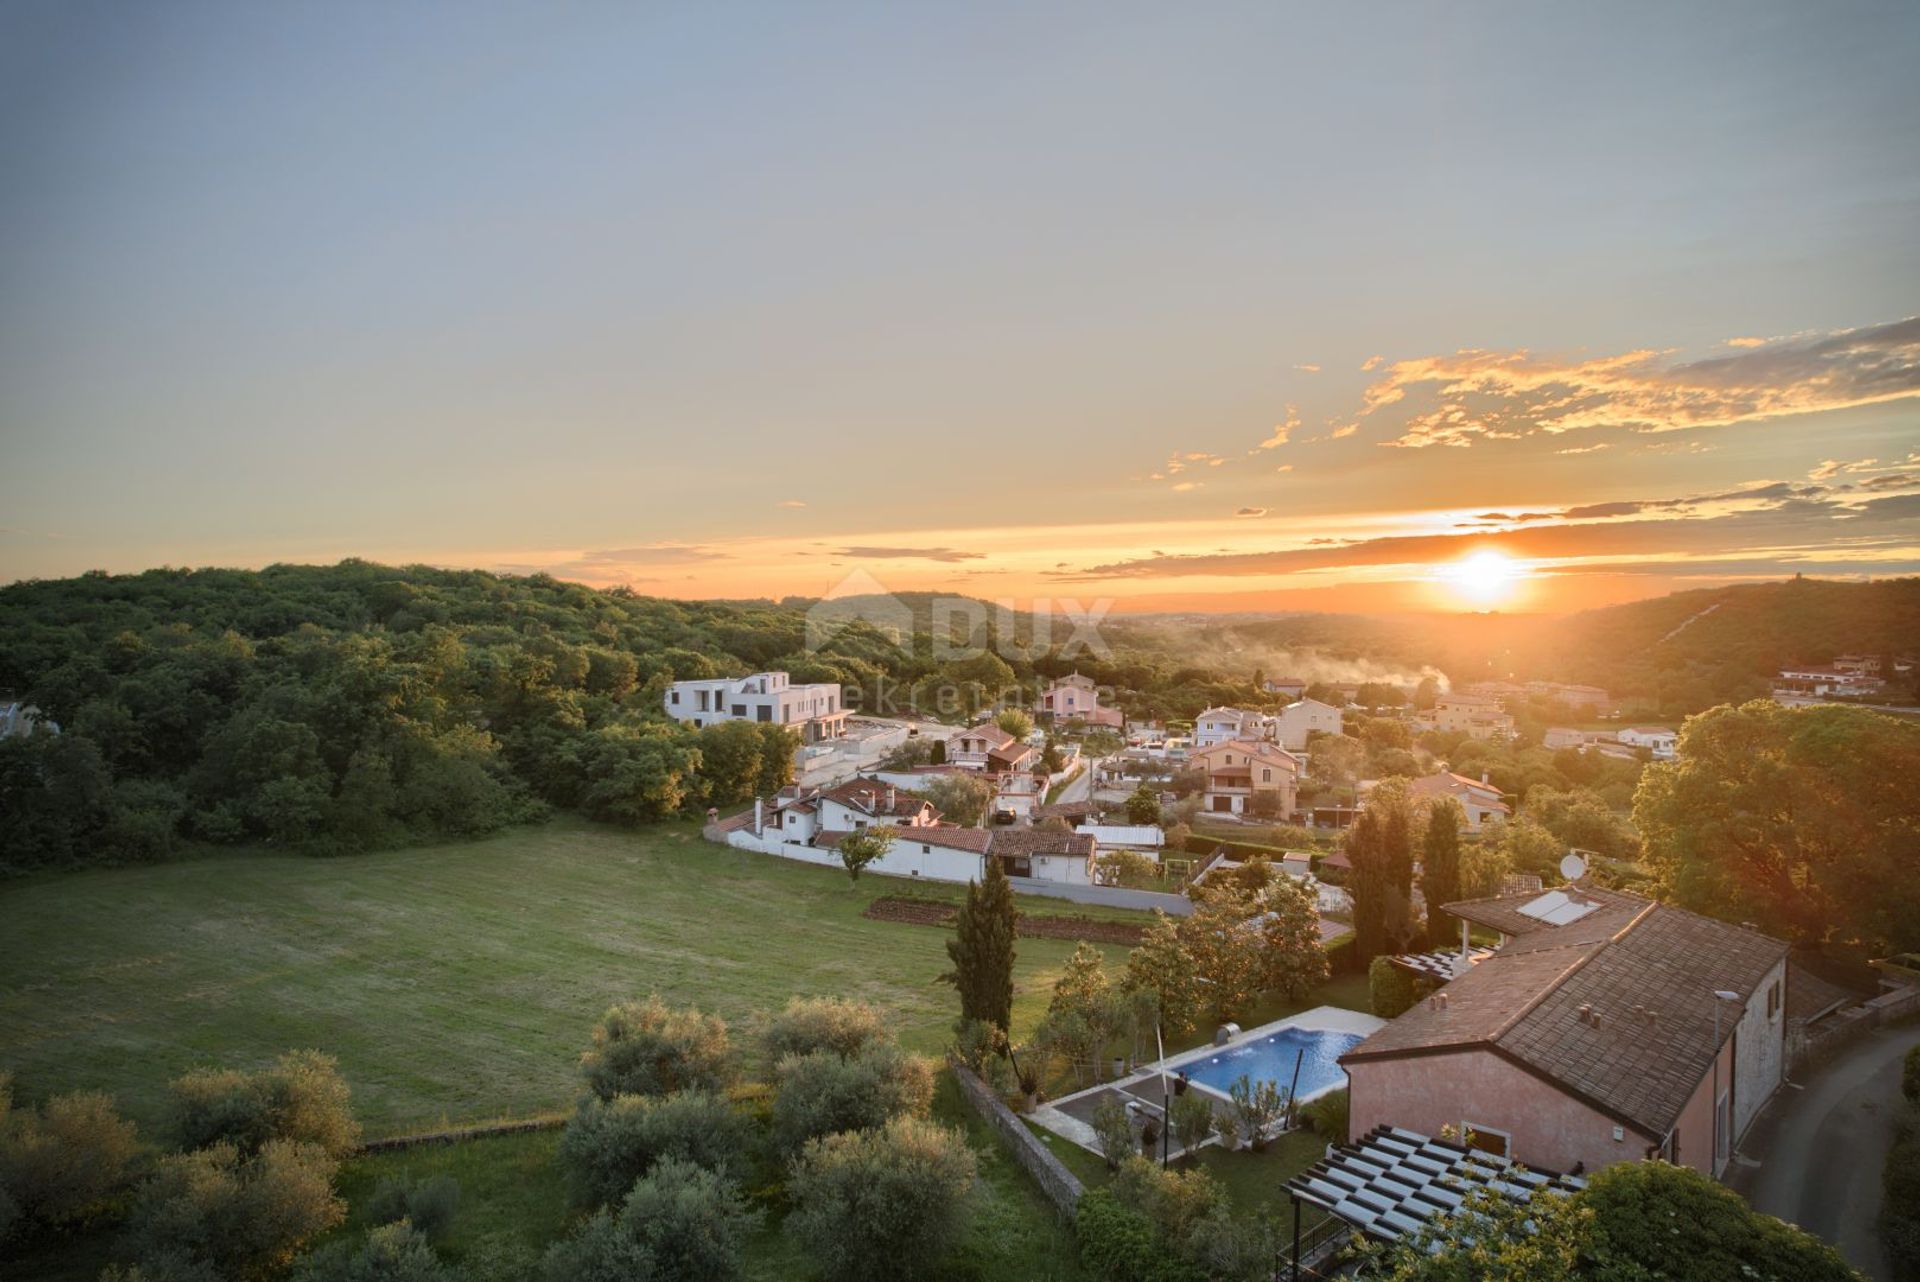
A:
346, 707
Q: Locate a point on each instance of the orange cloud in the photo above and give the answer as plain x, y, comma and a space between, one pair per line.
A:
1489, 395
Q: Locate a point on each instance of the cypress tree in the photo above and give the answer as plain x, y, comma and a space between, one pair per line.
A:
1440, 867
982, 949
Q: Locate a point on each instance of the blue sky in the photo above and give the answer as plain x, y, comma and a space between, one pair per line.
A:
615, 290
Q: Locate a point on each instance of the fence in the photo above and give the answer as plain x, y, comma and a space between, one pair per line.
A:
550, 1123
1062, 1187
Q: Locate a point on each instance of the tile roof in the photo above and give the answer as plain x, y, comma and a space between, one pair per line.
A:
1023, 842
1615, 1007
875, 797
994, 735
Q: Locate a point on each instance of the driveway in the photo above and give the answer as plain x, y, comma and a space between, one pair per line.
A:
1080, 787
1821, 1145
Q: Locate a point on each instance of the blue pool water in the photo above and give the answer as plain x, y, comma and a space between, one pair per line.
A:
1271, 1056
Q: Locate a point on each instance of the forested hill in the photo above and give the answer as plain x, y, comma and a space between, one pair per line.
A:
1692, 650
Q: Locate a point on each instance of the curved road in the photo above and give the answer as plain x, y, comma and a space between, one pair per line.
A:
1821, 1146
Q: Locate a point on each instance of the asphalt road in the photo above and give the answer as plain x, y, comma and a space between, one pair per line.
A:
1821, 1146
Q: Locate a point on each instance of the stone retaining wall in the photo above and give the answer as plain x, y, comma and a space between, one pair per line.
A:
1809, 1050
1062, 1187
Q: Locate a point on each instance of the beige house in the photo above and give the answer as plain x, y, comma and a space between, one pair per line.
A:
1479, 799
1478, 715
1077, 698
1240, 769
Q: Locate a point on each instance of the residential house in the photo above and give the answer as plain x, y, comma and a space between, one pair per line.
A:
1861, 664
1294, 724
1833, 679
1592, 698
938, 852
812, 711
1077, 698
1044, 855
1559, 737
1240, 769
1608, 1027
1660, 740
988, 747
1218, 725
18, 718
1477, 715
1291, 687
1479, 799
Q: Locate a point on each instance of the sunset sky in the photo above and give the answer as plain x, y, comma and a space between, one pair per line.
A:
1261, 306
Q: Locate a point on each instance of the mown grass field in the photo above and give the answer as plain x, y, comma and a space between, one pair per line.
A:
455, 982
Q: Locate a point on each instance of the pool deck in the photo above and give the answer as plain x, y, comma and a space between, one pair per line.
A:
1071, 1116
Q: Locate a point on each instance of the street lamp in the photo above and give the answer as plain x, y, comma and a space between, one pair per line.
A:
1719, 995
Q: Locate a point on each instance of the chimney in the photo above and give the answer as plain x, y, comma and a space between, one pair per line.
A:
1483, 776
892, 795
758, 821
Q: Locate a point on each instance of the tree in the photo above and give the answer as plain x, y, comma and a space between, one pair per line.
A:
1112, 1131
1143, 806
1797, 819
1161, 966
428, 1205
302, 1098
1192, 1117
822, 1093
649, 1048
862, 846
876, 1205
240, 1216
1390, 989
679, 1223
1440, 866
1293, 957
62, 1163
1225, 946
836, 1024
1015, 722
1083, 980
961, 797
608, 1144
982, 951
395, 1252
1634, 1221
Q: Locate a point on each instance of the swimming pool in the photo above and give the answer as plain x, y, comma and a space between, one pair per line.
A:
1271, 1057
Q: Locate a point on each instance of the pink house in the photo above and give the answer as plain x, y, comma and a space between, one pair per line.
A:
1077, 698
1588, 1038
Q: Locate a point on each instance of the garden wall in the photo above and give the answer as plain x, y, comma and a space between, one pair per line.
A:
1105, 896
1062, 1187
1809, 1050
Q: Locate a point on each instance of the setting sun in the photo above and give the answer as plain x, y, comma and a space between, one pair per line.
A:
1485, 578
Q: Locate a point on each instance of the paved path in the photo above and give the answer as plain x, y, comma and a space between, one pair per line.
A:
1080, 787
1822, 1145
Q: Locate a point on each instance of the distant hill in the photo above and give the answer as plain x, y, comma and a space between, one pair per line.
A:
1692, 650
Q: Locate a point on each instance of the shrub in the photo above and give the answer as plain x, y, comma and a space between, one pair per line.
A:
1391, 988
61, 1163
302, 1098
428, 1205
1192, 1116
1121, 1245
1328, 1115
810, 1024
882, 1204
396, 1252
677, 1224
607, 1146
823, 1093
1180, 1204
1112, 1131
648, 1048
1256, 1107
243, 1216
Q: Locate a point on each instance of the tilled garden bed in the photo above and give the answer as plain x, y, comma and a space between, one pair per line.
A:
923, 912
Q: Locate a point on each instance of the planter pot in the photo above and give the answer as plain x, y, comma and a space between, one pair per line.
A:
1119, 1066
1029, 1101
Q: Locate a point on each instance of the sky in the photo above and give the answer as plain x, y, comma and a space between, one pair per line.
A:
1218, 307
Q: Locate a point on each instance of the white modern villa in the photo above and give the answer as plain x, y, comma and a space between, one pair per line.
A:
813, 711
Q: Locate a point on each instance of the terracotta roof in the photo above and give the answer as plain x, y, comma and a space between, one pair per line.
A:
1023, 842
1447, 784
871, 796
994, 735
1615, 1007
976, 840
1065, 810
1809, 996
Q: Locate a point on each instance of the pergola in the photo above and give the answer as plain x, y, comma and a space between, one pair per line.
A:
1393, 1181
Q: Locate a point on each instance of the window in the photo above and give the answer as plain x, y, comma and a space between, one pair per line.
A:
673, 696
1266, 775
1486, 1138
1773, 998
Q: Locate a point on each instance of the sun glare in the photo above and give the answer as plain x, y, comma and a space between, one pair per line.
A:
1485, 578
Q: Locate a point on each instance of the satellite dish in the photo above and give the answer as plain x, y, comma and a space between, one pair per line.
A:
1573, 867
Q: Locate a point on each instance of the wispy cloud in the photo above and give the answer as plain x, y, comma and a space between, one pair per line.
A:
1186, 486
1477, 395
908, 554
1281, 431
1251, 511
791, 503
651, 554
1308, 368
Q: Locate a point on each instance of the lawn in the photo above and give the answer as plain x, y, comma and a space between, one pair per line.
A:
454, 982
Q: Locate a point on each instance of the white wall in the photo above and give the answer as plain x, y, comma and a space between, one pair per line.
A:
1760, 1051
905, 858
